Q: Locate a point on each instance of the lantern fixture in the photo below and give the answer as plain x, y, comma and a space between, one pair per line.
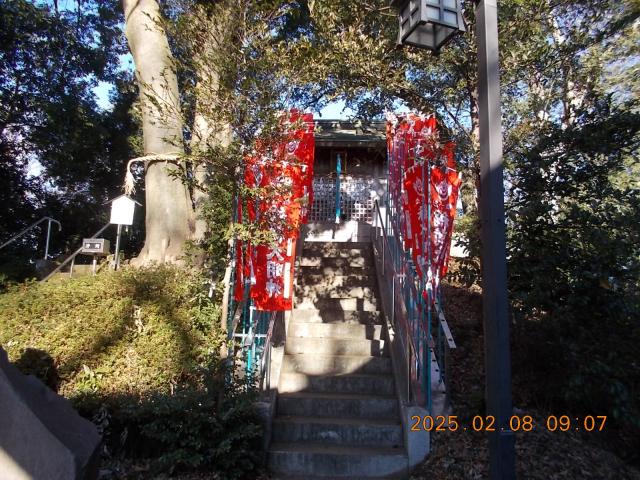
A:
428, 24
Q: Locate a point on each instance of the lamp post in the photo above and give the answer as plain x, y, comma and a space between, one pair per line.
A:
431, 24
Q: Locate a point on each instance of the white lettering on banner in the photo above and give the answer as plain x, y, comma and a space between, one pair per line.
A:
274, 269
286, 181
423, 217
275, 252
408, 220
417, 186
274, 288
293, 146
257, 174
440, 224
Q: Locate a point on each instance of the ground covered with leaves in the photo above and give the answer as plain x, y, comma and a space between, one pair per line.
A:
540, 453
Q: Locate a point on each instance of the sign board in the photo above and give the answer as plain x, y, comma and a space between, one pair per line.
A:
122, 209
96, 246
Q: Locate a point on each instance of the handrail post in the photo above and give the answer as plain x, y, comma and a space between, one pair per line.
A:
338, 172
46, 247
33, 225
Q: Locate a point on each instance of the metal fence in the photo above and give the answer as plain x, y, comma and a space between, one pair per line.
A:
357, 197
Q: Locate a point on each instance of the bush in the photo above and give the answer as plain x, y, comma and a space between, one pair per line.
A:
135, 350
574, 263
192, 430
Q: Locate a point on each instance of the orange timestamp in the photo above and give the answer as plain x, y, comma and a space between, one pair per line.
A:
516, 423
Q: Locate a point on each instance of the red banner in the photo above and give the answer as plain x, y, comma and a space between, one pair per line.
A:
423, 186
445, 185
279, 178
300, 150
273, 288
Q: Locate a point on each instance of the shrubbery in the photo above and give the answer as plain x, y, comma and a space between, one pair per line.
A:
136, 351
574, 263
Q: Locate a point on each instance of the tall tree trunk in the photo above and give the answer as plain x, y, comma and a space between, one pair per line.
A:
211, 132
169, 213
205, 136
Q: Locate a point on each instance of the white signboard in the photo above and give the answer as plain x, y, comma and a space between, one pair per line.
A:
122, 209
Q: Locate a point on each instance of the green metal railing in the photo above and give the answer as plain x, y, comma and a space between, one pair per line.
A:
249, 331
413, 317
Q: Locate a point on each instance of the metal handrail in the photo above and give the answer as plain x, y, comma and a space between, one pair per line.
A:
73, 255
265, 364
408, 341
420, 328
33, 225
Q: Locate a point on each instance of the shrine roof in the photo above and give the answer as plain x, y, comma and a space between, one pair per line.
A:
348, 133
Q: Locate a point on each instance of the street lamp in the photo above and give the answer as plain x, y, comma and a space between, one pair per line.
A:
429, 24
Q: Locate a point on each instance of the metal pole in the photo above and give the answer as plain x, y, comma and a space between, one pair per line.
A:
494, 267
338, 172
94, 264
46, 247
117, 259
33, 225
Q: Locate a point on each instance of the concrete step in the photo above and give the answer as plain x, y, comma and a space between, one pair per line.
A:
331, 249
338, 431
336, 461
355, 304
335, 330
336, 262
346, 253
360, 383
334, 346
338, 281
336, 364
326, 290
336, 316
329, 271
313, 404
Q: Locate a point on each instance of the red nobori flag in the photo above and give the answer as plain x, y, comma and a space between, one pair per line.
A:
273, 289
445, 186
300, 150
416, 213
280, 176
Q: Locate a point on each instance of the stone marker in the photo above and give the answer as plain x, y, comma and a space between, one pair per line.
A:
41, 435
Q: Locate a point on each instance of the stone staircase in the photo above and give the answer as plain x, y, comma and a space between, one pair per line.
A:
337, 412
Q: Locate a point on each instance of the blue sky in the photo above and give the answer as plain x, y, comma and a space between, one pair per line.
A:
335, 110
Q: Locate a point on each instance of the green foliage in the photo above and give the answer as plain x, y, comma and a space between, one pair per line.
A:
60, 153
13, 268
194, 428
132, 330
217, 213
574, 264
135, 350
